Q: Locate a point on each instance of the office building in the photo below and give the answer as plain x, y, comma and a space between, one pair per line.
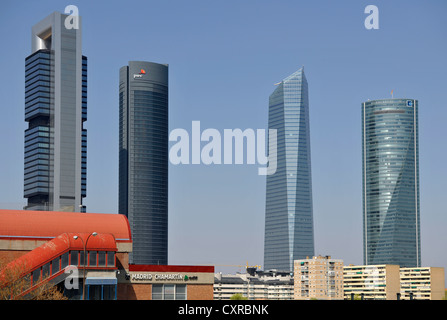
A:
289, 232
318, 278
143, 158
55, 109
254, 285
391, 202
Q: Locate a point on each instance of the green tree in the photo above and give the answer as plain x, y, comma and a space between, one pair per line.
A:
238, 296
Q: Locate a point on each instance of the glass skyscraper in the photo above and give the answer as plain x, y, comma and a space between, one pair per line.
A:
391, 183
55, 109
289, 231
143, 158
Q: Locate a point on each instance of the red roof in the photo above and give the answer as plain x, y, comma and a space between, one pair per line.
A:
59, 245
44, 225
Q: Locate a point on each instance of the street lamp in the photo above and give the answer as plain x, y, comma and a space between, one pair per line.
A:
85, 245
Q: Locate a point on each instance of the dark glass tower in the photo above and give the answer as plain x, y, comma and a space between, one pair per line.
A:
143, 158
289, 214
391, 182
55, 109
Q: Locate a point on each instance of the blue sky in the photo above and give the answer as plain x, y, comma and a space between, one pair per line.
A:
224, 59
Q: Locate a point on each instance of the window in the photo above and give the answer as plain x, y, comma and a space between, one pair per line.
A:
92, 261
55, 267
26, 281
74, 255
180, 292
64, 260
81, 258
45, 270
169, 292
110, 259
36, 276
101, 258
157, 292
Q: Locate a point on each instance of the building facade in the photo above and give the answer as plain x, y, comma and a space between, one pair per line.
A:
289, 211
55, 109
256, 285
372, 282
391, 282
87, 257
426, 283
143, 158
391, 218
318, 278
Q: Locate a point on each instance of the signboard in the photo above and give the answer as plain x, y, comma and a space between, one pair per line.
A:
163, 277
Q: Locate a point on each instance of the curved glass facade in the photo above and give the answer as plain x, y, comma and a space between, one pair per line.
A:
289, 214
143, 159
391, 182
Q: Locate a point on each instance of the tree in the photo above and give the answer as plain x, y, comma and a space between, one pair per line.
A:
14, 280
238, 296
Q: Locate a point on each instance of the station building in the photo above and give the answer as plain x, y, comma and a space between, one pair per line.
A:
87, 256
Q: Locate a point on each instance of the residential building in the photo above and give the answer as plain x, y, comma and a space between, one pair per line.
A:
289, 231
371, 282
426, 283
391, 218
254, 285
318, 278
143, 158
55, 176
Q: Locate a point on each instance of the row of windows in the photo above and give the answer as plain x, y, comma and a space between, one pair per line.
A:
41, 74
73, 258
169, 292
39, 110
37, 67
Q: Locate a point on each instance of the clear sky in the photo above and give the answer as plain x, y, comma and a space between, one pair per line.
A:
224, 58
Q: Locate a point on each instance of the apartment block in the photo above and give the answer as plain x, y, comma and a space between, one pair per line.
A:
256, 285
422, 283
318, 278
371, 282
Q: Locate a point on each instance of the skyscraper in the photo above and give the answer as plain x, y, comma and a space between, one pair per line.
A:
391, 182
289, 211
143, 158
55, 109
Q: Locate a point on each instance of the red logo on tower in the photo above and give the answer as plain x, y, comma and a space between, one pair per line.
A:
140, 74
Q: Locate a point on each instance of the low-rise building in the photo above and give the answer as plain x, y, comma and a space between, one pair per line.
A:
422, 283
371, 282
86, 255
254, 285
